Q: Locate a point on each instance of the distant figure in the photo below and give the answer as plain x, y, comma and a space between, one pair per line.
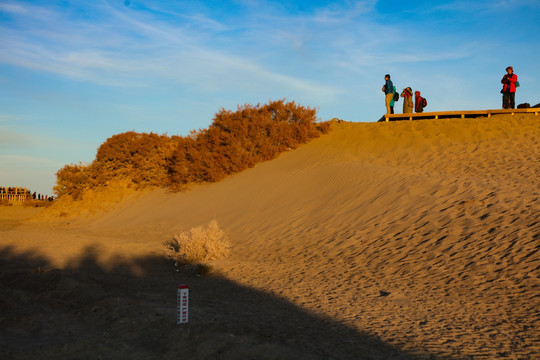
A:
420, 103
509, 81
388, 89
393, 101
408, 104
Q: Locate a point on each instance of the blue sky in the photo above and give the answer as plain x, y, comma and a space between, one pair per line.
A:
73, 73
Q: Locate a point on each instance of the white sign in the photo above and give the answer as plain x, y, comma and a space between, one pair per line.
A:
183, 304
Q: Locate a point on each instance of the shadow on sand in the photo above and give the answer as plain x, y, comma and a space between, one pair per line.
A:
87, 311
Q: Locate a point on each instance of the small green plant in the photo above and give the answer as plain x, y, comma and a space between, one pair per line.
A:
198, 245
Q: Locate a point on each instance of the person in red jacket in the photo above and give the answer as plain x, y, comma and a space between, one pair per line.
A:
509, 88
419, 102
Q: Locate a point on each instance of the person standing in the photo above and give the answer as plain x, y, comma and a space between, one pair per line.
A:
509, 89
392, 102
408, 104
420, 103
388, 89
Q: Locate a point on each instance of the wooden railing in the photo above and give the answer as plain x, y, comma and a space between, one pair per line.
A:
16, 194
458, 114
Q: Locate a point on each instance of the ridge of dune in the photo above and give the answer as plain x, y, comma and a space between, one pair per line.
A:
441, 216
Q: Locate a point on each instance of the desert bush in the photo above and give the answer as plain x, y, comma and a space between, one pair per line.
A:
235, 141
324, 127
72, 180
198, 244
141, 158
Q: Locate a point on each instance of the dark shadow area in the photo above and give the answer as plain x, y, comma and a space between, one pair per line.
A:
86, 311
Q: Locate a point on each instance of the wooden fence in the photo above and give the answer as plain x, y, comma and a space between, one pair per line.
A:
13, 194
458, 114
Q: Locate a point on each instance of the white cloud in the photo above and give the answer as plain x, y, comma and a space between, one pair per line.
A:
348, 11
13, 8
261, 48
485, 6
134, 48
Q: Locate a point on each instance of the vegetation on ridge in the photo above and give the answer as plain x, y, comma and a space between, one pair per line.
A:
235, 141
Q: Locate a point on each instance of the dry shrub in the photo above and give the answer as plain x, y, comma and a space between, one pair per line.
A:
142, 158
73, 179
235, 141
198, 244
238, 140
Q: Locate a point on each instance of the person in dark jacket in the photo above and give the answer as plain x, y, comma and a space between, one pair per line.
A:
509, 89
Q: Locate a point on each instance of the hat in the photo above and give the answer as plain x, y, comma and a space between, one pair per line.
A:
511, 68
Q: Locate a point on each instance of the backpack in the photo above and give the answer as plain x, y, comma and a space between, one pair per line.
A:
396, 96
424, 102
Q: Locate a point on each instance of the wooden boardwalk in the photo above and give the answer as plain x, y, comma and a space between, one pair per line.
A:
14, 194
457, 114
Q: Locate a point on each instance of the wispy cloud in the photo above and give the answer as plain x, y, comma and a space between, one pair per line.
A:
12, 8
125, 47
348, 10
131, 46
485, 6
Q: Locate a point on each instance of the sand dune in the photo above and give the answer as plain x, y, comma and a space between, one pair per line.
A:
380, 240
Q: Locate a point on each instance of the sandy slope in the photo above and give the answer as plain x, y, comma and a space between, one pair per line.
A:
442, 215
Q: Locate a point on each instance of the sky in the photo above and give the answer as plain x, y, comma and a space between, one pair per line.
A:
74, 73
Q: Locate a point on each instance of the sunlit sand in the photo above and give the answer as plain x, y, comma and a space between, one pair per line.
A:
412, 239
